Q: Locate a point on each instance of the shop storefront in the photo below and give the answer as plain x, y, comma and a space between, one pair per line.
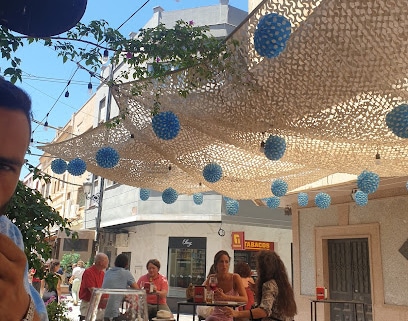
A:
186, 261
246, 250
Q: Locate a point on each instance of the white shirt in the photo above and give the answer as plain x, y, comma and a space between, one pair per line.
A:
77, 272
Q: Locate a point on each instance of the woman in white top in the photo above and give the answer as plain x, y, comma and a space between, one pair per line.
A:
76, 279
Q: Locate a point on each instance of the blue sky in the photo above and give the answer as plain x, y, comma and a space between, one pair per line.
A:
45, 76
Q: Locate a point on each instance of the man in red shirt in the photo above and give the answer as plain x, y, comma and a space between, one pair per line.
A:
92, 278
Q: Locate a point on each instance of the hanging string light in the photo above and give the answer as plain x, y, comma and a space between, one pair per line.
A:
105, 56
377, 159
90, 84
67, 92
46, 122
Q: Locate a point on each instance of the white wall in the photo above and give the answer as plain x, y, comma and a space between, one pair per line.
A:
151, 241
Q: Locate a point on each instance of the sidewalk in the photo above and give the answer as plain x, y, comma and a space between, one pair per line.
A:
75, 312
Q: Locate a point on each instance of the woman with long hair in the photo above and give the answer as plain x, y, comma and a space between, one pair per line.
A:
273, 291
51, 284
229, 286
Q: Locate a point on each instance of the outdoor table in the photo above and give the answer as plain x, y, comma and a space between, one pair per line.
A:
215, 304
313, 307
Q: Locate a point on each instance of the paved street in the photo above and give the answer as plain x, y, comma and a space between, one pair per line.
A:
75, 312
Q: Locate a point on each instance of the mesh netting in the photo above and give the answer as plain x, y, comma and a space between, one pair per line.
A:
344, 68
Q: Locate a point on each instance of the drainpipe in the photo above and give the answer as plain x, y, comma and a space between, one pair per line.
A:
102, 180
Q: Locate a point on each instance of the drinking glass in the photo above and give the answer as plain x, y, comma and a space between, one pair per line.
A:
129, 305
213, 283
209, 296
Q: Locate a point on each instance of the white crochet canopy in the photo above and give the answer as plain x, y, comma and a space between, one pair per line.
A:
327, 94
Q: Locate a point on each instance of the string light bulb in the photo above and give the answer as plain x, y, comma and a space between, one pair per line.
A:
378, 159
105, 56
67, 92
262, 147
90, 88
46, 122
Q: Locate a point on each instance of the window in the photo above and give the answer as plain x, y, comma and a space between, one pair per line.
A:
102, 111
163, 65
78, 245
81, 197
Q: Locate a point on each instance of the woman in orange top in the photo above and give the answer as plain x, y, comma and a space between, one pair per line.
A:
245, 272
156, 286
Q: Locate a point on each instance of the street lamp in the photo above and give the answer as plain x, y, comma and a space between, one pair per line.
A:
87, 186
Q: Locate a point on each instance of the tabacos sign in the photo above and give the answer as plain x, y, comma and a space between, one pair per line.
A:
239, 243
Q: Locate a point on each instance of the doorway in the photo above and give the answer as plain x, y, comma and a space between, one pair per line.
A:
349, 278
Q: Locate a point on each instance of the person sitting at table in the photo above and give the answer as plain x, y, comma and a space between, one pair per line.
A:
229, 286
117, 277
244, 270
274, 293
156, 286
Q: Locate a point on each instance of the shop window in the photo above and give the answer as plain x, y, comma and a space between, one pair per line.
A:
187, 261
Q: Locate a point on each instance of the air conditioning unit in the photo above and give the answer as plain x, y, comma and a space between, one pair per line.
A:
122, 240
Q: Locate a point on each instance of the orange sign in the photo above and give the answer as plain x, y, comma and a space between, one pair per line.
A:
237, 240
258, 245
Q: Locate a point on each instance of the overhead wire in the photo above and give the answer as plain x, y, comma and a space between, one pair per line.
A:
78, 66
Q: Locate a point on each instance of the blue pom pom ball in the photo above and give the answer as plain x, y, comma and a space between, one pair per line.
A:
273, 202
397, 120
212, 172
169, 195
166, 125
271, 35
322, 200
279, 187
303, 199
58, 166
76, 167
368, 182
144, 194
361, 198
275, 147
232, 207
107, 157
198, 198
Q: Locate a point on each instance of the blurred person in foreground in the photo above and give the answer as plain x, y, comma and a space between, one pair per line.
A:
20, 301
156, 286
273, 293
92, 278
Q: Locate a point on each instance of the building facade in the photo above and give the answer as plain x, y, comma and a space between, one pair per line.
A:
183, 236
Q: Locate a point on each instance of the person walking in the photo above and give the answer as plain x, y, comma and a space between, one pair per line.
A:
118, 277
274, 293
76, 279
92, 278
